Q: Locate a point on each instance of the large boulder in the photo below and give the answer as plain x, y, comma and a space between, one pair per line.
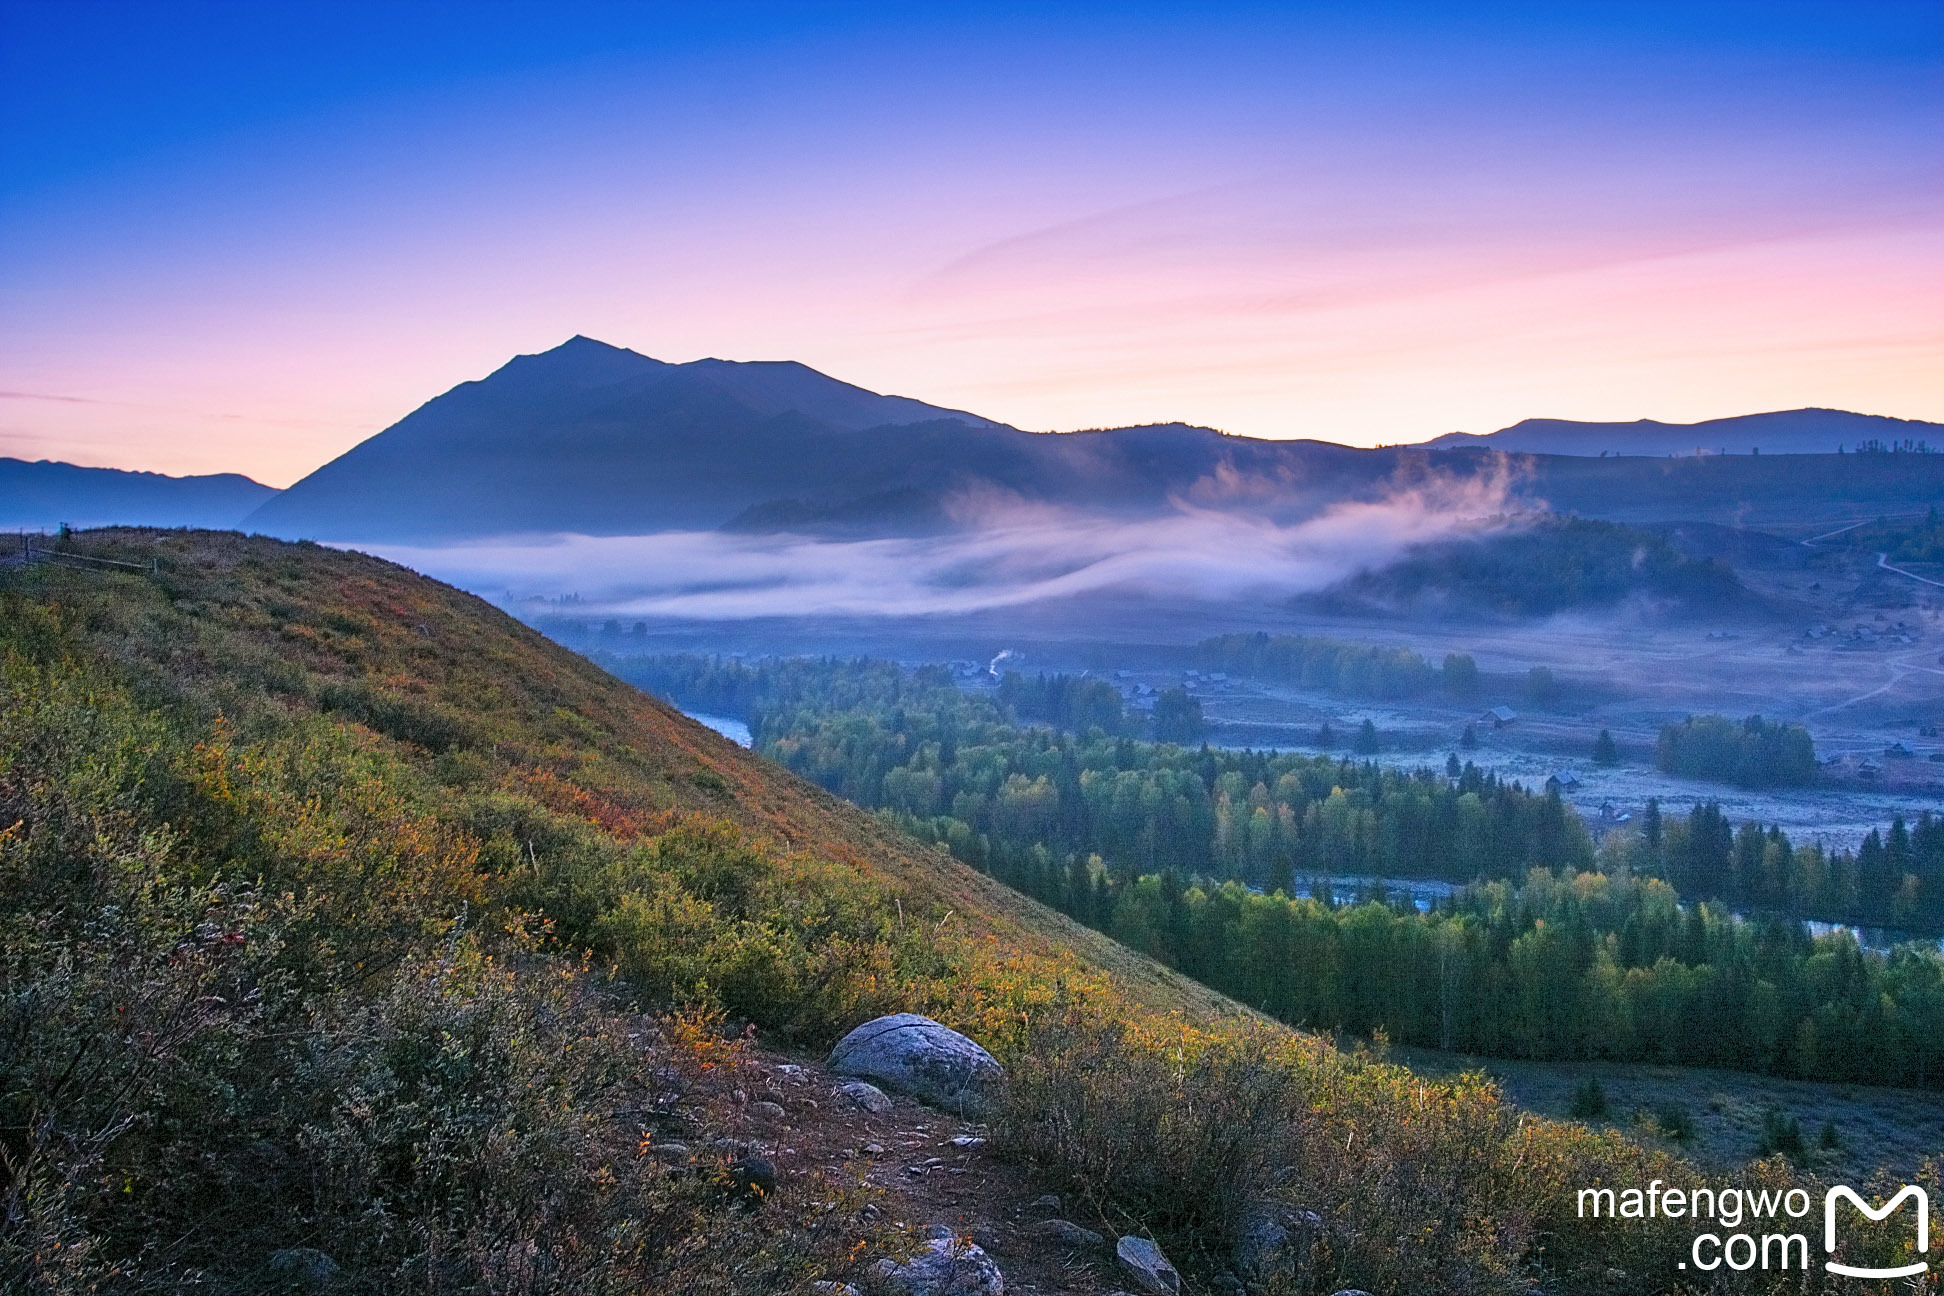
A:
915, 1055
1143, 1265
944, 1266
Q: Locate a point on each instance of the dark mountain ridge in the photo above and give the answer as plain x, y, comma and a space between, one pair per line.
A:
598, 440
44, 494
1799, 431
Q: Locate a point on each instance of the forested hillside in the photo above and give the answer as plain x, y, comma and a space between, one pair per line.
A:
355, 937
1198, 858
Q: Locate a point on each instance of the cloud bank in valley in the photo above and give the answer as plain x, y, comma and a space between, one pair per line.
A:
1006, 554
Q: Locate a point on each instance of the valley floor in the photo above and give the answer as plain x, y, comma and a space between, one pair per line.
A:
1895, 1130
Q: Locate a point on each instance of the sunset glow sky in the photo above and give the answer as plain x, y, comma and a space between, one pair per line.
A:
245, 236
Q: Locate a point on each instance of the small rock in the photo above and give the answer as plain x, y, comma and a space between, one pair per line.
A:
1069, 1234
915, 1055
873, 1149
1350, 1291
752, 1180
944, 1267
1144, 1265
1049, 1204
864, 1096
1264, 1239
767, 1111
790, 1070
968, 1141
833, 1289
669, 1151
305, 1265
770, 1095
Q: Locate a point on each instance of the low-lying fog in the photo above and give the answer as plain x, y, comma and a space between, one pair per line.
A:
1005, 553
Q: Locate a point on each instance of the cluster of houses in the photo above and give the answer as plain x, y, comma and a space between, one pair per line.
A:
1866, 634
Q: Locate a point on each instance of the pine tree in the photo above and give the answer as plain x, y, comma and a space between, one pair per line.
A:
1367, 738
1604, 750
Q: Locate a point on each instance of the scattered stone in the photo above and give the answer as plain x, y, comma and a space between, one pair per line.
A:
864, 1096
968, 1141
827, 1288
669, 1151
1350, 1291
752, 1180
305, 1265
1071, 1235
1264, 1239
767, 1111
915, 1055
944, 1267
874, 1149
790, 1070
1049, 1204
1143, 1264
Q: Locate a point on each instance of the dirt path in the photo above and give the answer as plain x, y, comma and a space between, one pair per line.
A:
1883, 561
917, 1166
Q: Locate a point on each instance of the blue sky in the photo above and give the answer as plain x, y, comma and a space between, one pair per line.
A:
249, 235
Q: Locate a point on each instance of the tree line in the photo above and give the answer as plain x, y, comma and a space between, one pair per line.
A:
1567, 965
1894, 879
1752, 753
961, 769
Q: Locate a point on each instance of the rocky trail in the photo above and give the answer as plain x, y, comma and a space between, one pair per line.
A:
962, 1220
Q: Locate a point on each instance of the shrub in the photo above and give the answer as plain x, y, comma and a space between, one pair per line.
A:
1781, 1135
1589, 1099
1674, 1122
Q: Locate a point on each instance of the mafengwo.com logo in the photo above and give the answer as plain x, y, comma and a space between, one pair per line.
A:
1750, 1232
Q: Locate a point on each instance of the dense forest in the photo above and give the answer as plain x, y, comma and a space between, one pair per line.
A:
1194, 855
1893, 879
1567, 965
1537, 566
1357, 670
962, 769
1753, 753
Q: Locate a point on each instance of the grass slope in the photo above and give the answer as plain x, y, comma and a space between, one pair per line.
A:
340, 911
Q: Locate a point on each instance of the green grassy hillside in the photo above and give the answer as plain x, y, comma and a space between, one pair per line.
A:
343, 913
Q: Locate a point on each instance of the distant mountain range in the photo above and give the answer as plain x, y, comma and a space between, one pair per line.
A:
1801, 431
599, 440
42, 494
